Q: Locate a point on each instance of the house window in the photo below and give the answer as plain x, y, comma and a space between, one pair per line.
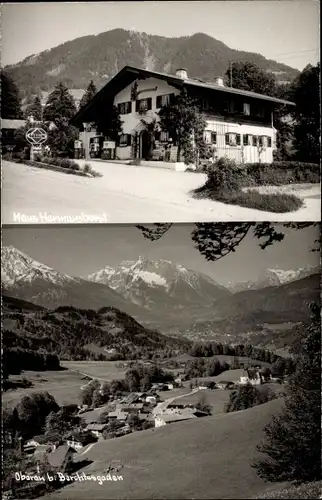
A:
124, 108
255, 140
259, 111
246, 108
164, 136
210, 137
124, 140
269, 142
143, 105
261, 141
246, 139
231, 106
164, 100
232, 139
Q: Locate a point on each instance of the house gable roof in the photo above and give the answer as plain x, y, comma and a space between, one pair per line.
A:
129, 74
57, 457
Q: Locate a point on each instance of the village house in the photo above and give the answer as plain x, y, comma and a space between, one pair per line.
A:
8, 130
135, 397
117, 415
79, 440
239, 125
61, 458
41, 442
96, 429
206, 384
130, 408
152, 399
252, 377
225, 384
169, 417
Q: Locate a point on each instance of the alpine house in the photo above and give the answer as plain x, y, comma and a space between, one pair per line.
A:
239, 123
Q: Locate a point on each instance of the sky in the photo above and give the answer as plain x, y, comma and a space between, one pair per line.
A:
283, 30
81, 250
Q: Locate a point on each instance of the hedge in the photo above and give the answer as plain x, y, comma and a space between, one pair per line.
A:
280, 172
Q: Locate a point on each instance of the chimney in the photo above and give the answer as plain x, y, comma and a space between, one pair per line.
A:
182, 73
219, 81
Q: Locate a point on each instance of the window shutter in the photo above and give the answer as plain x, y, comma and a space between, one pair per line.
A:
129, 104
159, 101
172, 98
254, 140
214, 137
269, 142
227, 140
137, 105
245, 139
149, 102
129, 137
238, 139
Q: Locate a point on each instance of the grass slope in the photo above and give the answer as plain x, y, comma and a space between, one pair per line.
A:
64, 385
305, 490
206, 458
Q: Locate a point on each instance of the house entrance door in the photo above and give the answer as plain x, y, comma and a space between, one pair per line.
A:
145, 145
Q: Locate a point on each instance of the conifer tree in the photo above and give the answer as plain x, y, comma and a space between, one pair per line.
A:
10, 98
88, 95
293, 438
60, 105
34, 109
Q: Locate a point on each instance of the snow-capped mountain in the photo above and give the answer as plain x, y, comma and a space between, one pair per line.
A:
27, 279
159, 283
19, 269
274, 277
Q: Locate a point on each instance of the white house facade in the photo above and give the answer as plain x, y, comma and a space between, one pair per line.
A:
239, 123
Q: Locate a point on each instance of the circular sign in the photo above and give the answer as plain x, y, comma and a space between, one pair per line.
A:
36, 136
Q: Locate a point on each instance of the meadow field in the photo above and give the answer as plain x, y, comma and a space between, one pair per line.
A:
102, 370
64, 385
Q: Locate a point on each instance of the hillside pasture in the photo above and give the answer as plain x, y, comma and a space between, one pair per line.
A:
207, 458
63, 385
215, 398
101, 370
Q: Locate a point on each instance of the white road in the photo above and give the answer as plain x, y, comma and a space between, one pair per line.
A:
126, 193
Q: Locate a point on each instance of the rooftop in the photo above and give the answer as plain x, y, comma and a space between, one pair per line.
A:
96, 427
185, 414
129, 74
57, 457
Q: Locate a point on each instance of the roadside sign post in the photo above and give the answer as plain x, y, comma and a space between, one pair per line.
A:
36, 137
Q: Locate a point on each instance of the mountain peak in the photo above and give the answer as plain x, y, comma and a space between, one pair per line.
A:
160, 283
19, 268
101, 56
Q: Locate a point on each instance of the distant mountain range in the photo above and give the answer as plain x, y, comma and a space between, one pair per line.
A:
167, 297
160, 284
100, 57
27, 279
274, 277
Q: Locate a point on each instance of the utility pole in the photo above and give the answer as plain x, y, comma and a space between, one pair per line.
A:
231, 73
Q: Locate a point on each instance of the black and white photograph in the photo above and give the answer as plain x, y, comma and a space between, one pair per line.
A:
145, 361
160, 111
161, 250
